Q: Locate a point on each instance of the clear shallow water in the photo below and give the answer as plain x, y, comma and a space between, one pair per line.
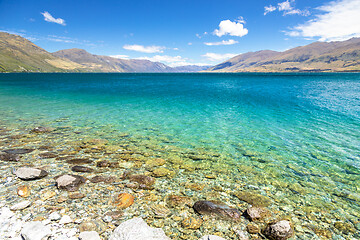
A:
299, 132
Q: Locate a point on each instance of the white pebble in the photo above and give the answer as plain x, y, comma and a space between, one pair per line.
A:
21, 205
65, 219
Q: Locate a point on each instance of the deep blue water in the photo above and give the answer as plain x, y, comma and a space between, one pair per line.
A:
305, 126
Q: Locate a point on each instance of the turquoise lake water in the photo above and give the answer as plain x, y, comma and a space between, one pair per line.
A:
302, 129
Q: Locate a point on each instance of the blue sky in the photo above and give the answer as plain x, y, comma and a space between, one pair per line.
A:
179, 32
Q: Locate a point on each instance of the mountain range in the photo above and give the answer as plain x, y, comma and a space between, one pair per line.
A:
316, 57
18, 54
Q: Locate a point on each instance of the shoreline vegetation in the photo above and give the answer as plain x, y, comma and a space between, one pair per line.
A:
65, 184
18, 54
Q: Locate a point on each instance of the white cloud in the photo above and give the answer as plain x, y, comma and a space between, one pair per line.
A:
268, 9
172, 61
232, 28
339, 21
223, 42
49, 18
287, 9
120, 56
144, 49
218, 57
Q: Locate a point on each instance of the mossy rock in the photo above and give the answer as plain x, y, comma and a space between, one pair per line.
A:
252, 198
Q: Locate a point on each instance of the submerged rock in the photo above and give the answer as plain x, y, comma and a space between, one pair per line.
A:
143, 181
103, 163
163, 172
124, 200
76, 195
256, 213
35, 231
81, 169
69, 182
104, 179
20, 206
47, 155
23, 191
114, 215
253, 198
18, 150
27, 173
79, 161
178, 201
160, 211
279, 230
216, 208
137, 229
8, 157
42, 130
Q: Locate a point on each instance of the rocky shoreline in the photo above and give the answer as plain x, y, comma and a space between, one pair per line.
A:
60, 185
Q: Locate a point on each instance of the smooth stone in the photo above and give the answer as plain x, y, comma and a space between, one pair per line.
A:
65, 219
144, 182
114, 214
27, 173
256, 213
20, 206
35, 231
89, 235
160, 211
8, 157
211, 237
69, 182
103, 163
77, 195
253, 198
87, 226
55, 216
81, 169
137, 229
163, 172
79, 161
154, 162
18, 150
47, 195
216, 208
98, 179
42, 130
47, 155
178, 201
279, 230
96, 225
124, 200
23, 191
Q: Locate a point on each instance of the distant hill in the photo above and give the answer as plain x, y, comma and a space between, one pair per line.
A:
98, 63
18, 54
315, 57
190, 68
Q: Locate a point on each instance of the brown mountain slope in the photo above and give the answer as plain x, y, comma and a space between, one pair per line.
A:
318, 56
18, 54
109, 64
